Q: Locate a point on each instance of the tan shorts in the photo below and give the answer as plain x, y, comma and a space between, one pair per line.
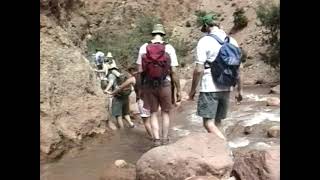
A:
153, 97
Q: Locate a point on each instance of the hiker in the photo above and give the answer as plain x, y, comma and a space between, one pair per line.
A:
110, 67
215, 86
157, 60
132, 81
99, 59
120, 100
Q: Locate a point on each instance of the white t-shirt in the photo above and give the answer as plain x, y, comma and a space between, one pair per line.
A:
207, 50
99, 55
168, 48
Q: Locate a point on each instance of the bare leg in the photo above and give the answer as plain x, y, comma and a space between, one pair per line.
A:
147, 125
128, 119
155, 125
120, 122
212, 128
165, 124
217, 122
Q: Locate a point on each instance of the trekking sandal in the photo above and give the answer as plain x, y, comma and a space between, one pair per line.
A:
165, 141
156, 142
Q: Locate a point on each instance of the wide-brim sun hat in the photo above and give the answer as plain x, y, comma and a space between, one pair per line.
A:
158, 29
109, 55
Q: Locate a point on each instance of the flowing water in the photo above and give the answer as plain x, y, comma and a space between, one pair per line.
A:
129, 144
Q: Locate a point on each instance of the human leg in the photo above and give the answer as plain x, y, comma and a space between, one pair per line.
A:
147, 125
120, 122
207, 109
212, 128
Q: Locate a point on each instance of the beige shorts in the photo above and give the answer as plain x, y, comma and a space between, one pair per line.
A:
143, 112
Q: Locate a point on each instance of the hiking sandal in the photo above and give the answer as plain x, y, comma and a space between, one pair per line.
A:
156, 142
165, 141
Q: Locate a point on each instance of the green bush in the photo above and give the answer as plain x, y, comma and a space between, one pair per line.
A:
239, 19
269, 16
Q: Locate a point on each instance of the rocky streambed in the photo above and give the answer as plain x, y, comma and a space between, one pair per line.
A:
252, 128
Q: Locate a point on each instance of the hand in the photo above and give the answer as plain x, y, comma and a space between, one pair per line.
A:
108, 92
178, 96
191, 95
238, 97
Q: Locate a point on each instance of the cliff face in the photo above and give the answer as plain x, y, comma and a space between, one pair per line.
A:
72, 104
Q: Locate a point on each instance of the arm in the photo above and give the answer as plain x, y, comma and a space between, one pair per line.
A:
142, 51
197, 74
126, 84
176, 82
239, 87
111, 80
173, 74
104, 69
201, 57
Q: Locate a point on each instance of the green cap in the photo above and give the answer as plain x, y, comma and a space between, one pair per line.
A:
208, 19
158, 28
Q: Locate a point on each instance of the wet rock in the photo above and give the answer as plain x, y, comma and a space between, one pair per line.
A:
275, 90
273, 101
248, 130
201, 154
255, 164
120, 163
274, 132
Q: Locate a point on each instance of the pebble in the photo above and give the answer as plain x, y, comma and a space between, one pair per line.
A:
120, 163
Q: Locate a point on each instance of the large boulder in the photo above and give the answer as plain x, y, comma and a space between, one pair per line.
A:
257, 164
199, 154
275, 90
273, 101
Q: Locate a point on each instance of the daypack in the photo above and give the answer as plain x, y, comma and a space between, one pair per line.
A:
120, 80
225, 68
155, 64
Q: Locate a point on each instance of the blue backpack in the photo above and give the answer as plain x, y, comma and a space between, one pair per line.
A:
225, 68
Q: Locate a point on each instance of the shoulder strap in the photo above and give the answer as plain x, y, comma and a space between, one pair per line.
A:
216, 38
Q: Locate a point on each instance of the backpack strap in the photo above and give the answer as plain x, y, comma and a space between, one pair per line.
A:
216, 38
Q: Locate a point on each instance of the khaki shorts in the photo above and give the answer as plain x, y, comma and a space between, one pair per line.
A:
153, 97
120, 106
213, 105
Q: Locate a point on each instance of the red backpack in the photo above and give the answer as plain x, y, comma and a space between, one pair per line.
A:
156, 64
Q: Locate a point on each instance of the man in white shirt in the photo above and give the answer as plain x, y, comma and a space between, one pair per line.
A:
213, 100
159, 94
